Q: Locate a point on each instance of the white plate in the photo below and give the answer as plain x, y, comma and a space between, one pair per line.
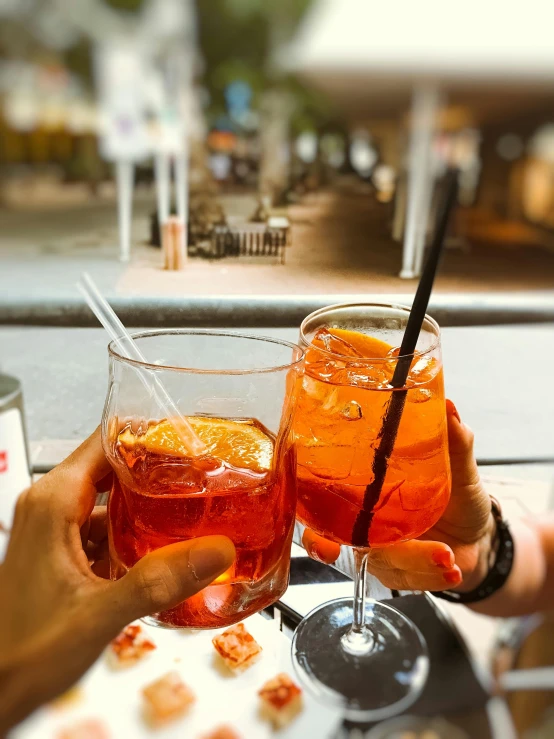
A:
114, 696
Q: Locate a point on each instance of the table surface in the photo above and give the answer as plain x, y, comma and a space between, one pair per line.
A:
499, 377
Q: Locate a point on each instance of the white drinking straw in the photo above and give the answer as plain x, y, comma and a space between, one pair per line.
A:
128, 348
536, 678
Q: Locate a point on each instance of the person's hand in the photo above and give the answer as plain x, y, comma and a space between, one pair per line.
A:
454, 553
57, 612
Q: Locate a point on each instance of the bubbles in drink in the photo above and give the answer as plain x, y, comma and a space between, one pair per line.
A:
352, 411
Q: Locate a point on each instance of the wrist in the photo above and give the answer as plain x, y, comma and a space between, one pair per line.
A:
473, 577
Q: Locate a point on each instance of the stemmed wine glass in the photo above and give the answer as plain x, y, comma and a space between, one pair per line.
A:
363, 486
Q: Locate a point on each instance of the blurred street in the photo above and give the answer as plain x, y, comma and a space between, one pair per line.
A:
510, 420
340, 244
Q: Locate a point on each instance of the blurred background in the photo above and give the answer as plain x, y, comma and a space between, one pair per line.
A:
298, 143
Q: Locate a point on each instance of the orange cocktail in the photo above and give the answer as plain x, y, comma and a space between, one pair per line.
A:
226, 467
161, 496
345, 393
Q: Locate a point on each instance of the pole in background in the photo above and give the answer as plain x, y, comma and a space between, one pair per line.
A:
125, 173
163, 186
180, 164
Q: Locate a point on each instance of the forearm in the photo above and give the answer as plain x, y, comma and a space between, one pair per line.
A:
527, 588
16, 692
27, 680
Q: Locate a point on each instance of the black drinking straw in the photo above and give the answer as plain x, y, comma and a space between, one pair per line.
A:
393, 413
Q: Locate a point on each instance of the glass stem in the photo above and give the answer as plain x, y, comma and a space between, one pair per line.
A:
360, 584
359, 639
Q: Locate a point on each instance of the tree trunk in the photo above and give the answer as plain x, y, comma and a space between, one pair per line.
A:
274, 144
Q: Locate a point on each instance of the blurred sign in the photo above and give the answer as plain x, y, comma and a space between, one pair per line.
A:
167, 129
14, 464
237, 96
119, 76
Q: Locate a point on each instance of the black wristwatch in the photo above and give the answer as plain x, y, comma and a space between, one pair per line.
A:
499, 571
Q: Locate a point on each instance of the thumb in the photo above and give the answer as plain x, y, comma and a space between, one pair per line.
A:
166, 577
460, 446
469, 508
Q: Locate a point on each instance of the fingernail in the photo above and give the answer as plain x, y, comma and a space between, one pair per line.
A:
327, 552
315, 554
443, 558
454, 577
207, 561
452, 410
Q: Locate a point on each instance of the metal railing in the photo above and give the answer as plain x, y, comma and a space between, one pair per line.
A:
250, 240
271, 311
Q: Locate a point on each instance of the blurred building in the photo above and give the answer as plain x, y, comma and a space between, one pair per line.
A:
407, 90
470, 86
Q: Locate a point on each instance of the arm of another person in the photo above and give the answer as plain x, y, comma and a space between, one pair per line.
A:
455, 554
530, 587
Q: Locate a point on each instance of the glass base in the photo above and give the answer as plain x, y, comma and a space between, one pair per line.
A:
379, 675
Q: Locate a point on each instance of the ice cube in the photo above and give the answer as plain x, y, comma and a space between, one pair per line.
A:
323, 392
328, 462
352, 411
317, 366
310, 386
368, 376
330, 402
335, 344
423, 370
171, 477
419, 395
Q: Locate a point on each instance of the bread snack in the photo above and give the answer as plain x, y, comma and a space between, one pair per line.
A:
222, 732
166, 699
237, 648
129, 647
281, 700
87, 729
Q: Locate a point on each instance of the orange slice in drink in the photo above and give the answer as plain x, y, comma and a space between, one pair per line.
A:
239, 443
351, 343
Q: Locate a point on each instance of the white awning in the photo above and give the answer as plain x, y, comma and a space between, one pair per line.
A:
488, 40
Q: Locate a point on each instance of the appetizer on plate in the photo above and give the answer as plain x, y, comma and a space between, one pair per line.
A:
222, 732
281, 700
237, 648
129, 647
166, 699
88, 729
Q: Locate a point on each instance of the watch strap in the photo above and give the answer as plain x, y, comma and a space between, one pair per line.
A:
499, 571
